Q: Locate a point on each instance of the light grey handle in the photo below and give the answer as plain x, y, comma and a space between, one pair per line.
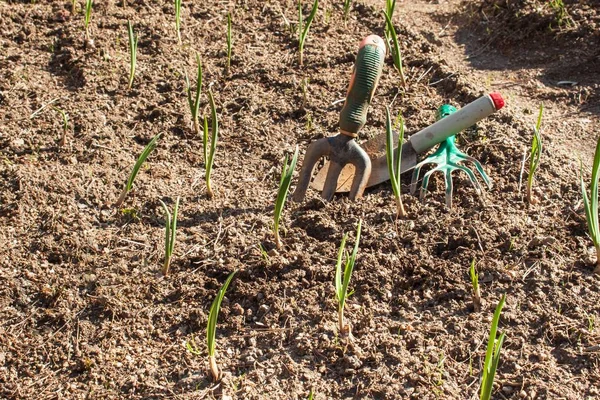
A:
456, 122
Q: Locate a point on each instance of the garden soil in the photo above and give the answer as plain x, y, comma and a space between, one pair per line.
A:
85, 312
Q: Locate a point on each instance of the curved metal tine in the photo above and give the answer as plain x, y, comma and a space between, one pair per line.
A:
426, 181
449, 187
314, 152
436, 158
415, 177
472, 177
330, 184
479, 168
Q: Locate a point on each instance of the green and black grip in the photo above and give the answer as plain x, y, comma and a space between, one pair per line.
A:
365, 76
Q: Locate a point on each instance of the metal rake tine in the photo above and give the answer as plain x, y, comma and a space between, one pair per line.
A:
415, 178
449, 187
426, 182
433, 159
471, 176
479, 168
330, 184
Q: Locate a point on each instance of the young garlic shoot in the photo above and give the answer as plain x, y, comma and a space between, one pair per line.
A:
205, 139
178, 20
475, 286
591, 205
284, 187
342, 279
303, 28
396, 54
213, 143
87, 17
133, 46
394, 160
65, 126
347, 4
390, 6
229, 43
492, 355
170, 231
136, 168
211, 329
534, 156
194, 101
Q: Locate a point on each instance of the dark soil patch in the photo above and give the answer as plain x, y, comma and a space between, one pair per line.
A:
85, 312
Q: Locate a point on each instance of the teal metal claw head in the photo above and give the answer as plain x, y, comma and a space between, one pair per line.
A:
447, 158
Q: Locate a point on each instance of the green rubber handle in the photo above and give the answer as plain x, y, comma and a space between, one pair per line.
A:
367, 70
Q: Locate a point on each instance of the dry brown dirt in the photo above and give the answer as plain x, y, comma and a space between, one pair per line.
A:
84, 310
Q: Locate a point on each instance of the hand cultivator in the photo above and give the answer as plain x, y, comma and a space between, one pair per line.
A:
447, 157
342, 149
353, 168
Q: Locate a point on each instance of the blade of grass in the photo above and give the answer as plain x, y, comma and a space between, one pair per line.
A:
211, 328
284, 186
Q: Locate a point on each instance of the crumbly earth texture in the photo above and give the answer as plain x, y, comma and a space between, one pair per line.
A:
84, 309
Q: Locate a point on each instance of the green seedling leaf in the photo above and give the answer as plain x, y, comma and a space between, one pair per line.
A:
342, 278
492, 354
303, 29
396, 54
88, 17
284, 186
136, 168
214, 314
194, 101
347, 4
534, 155
205, 139
591, 204
133, 46
213, 143
394, 161
170, 231
211, 329
178, 20
190, 345
474, 277
65, 118
229, 42
475, 285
